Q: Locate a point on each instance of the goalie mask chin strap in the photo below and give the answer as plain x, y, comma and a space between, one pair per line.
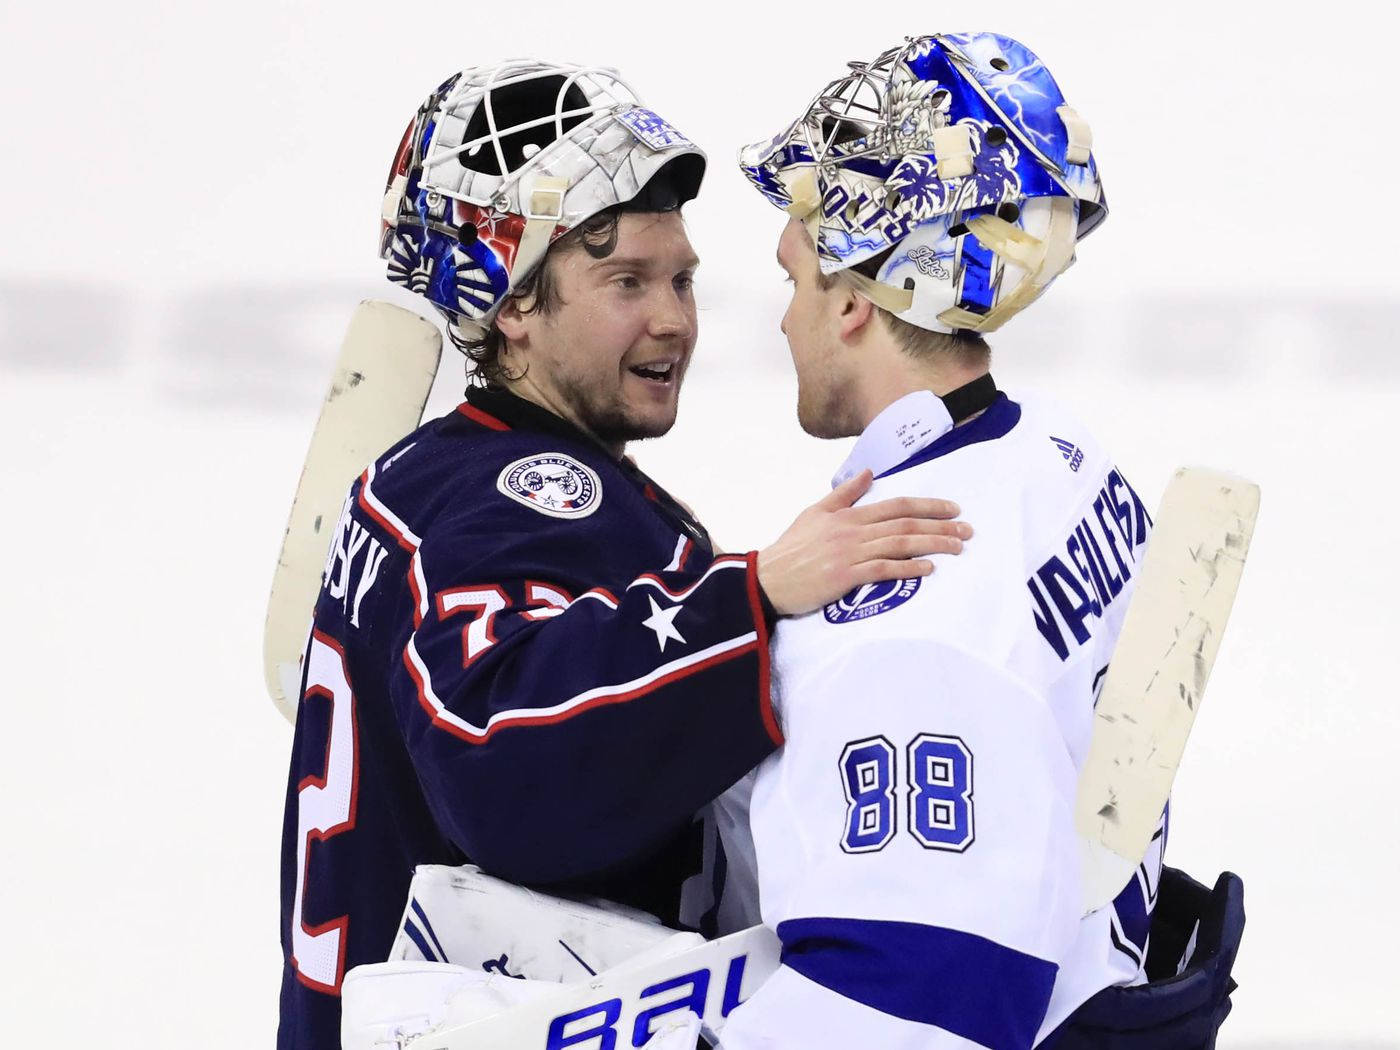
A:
543, 208
893, 300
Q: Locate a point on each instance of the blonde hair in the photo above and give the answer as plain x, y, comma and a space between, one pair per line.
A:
965, 347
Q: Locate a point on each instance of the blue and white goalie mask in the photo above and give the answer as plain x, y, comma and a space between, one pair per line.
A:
955, 161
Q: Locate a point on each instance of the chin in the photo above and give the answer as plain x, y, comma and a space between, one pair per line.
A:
655, 429
819, 430
624, 427
825, 424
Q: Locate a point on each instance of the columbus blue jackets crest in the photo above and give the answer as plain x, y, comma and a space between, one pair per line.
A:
870, 599
553, 484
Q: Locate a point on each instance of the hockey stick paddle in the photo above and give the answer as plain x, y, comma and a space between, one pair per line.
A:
1164, 656
381, 381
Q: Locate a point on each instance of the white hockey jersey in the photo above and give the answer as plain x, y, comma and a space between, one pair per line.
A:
915, 837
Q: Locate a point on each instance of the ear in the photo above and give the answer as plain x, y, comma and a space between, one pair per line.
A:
514, 325
854, 313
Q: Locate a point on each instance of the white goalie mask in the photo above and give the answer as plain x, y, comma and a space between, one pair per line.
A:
501, 161
956, 162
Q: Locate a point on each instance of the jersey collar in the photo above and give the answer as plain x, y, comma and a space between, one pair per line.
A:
922, 426
516, 413
903, 429
512, 412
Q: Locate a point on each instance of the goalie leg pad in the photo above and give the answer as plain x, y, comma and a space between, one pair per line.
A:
383, 1005
460, 915
680, 1032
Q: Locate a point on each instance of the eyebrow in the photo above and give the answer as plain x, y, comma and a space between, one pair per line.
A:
637, 262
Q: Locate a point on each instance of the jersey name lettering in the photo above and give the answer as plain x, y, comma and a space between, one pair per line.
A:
355, 557
1098, 559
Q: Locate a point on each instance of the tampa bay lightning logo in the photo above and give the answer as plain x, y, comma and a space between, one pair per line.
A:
871, 599
553, 484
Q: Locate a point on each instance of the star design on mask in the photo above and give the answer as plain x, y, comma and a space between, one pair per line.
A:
663, 622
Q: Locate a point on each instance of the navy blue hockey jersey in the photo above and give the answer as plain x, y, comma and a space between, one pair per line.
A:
524, 655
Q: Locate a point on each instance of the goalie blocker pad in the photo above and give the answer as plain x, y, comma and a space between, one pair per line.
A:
1195, 935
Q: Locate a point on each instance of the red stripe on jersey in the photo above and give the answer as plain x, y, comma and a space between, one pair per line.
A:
476, 415
418, 685
599, 590
382, 521
686, 592
563, 716
765, 697
418, 602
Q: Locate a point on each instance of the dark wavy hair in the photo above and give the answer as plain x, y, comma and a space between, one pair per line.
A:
597, 235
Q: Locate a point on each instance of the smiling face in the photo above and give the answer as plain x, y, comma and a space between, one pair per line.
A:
826, 405
611, 354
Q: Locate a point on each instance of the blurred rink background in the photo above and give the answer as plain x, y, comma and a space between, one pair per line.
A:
191, 215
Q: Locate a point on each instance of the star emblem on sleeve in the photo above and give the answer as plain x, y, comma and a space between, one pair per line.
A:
663, 622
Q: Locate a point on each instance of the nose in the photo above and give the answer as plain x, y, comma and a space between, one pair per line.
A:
673, 317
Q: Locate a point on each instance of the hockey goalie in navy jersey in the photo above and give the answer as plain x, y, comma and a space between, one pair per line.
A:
525, 654
916, 848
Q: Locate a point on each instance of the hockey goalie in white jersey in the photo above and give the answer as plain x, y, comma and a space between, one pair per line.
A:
915, 837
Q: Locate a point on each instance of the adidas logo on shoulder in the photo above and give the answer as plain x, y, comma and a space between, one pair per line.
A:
1073, 454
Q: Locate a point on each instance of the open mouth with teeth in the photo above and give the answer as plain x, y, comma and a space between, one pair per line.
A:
656, 371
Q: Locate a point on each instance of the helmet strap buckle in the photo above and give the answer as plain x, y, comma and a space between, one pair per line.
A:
546, 203
543, 209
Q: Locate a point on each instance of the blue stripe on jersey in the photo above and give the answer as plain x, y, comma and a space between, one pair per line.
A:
960, 982
997, 421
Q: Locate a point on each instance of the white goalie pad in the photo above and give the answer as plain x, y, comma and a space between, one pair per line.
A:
657, 1000
397, 1005
484, 924
384, 1005
680, 1032
471, 948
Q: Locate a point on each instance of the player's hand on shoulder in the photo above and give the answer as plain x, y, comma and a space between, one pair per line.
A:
833, 547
